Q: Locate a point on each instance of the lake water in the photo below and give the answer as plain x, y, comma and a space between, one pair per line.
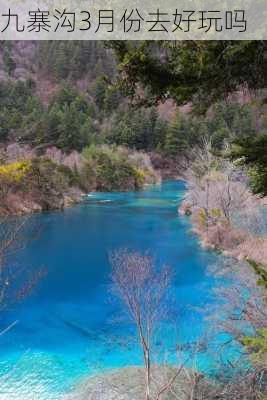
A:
66, 327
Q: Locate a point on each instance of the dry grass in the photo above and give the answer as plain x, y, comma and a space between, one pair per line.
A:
254, 248
129, 384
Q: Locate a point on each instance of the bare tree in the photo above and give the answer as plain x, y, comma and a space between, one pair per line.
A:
143, 289
243, 303
242, 312
216, 186
15, 281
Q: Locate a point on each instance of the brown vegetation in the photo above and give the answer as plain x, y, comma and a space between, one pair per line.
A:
224, 212
30, 181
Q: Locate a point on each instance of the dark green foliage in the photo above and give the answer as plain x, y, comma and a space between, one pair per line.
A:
67, 123
230, 121
183, 134
100, 112
175, 138
227, 122
9, 63
258, 179
99, 92
261, 271
110, 169
140, 129
113, 98
257, 347
15, 96
106, 97
73, 120
8, 60
114, 174
252, 151
191, 71
73, 59
20, 110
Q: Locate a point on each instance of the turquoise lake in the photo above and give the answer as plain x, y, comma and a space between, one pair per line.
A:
65, 328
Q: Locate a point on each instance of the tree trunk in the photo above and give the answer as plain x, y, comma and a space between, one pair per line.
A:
148, 375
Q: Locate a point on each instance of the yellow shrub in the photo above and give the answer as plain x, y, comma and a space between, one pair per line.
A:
216, 213
140, 173
16, 171
140, 176
202, 217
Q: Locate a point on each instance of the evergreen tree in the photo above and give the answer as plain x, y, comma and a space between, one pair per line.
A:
191, 72
176, 137
99, 93
52, 124
9, 63
252, 151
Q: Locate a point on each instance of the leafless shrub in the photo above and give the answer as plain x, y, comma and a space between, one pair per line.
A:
15, 282
143, 289
241, 312
243, 305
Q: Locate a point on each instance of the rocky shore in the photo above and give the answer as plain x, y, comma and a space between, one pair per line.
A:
43, 179
128, 384
227, 238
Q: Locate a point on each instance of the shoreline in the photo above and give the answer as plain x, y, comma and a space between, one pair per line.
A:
128, 383
227, 239
52, 181
25, 206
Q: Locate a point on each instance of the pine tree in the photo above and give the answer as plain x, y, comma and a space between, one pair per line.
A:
176, 137
9, 63
252, 151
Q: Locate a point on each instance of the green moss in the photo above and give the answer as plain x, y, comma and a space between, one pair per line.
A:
202, 218
216, 213
257, 346
261, 271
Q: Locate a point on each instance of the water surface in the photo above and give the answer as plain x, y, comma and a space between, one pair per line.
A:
66, 327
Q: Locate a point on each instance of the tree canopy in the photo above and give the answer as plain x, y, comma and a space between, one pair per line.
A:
200, 72
252, 151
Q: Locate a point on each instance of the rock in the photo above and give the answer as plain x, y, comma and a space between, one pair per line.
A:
22, 205
73, 196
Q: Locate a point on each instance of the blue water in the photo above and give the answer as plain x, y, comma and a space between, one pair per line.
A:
66, 328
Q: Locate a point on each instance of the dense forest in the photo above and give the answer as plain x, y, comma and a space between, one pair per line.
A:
70, 95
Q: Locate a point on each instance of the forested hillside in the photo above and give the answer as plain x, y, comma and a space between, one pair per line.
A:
78, 95
67, 94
